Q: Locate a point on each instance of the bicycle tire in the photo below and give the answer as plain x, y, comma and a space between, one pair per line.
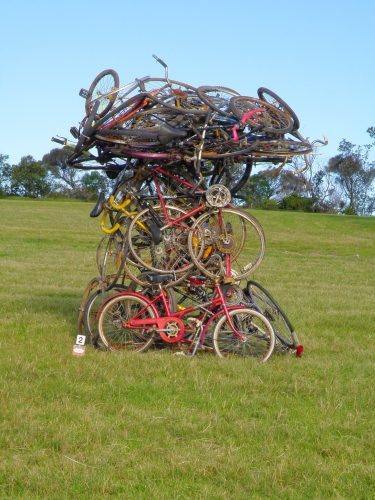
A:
223, 175
85, 140
282, 148
217, 103
92, 284
240, 153
114, 335
259, 337
272, 98
124, 112
160, 250
147, 287
271, 121
111, 262
108, 80
262, 299
226, 232
95, 300
148, 85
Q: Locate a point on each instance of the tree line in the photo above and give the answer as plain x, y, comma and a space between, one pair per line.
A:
344, 185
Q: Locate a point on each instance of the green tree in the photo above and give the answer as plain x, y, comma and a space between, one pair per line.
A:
259, 190
298, 202
66, 179
355, 175
92, 183
5, 173
28, 178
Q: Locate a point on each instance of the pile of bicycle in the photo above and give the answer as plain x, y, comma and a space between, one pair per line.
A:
159, 119
173, 268
177, 252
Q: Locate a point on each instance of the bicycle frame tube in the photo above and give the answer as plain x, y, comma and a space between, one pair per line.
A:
163, 206
219, 301
132, 294
129, 114
175, 178
129, 86
227, 310
160, 321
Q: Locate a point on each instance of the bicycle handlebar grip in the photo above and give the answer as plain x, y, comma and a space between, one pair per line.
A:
59, 141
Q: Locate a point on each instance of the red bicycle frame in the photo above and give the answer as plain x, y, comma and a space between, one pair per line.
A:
216, 307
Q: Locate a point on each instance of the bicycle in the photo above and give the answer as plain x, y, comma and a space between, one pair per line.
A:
213, 243
130, 321
258, 297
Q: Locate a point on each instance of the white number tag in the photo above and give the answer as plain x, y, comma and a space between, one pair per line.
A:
81, 339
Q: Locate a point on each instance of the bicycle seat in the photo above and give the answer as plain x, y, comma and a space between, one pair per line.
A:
167, 133
154, 277
98, 209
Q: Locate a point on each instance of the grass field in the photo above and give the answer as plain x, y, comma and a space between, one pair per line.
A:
162, 426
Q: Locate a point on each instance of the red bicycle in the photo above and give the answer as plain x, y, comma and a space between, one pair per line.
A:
132, 321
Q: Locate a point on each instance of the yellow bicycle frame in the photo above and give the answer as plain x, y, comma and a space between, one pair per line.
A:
119, 207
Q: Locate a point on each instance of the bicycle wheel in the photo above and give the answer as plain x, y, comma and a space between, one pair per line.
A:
92, 285
85, 140
110, 257
217, 98
272, 98
228, 150
177, 96
114, 319
158, 246
91, 309
258, 339
232, 174
282, 148
260, 298
103, 89
226, 242
268, 119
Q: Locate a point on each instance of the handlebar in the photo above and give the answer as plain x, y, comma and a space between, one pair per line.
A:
59, 141
323, 142
160, 61
165, 66
105, 229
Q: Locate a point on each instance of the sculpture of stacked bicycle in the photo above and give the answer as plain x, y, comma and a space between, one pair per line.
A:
176, 255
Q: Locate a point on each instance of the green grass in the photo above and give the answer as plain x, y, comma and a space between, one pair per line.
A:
160, 426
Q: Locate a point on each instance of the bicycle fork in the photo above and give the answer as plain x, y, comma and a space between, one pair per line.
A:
227, 315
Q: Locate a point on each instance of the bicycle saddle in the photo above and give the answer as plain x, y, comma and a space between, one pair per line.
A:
167, 133
154, 277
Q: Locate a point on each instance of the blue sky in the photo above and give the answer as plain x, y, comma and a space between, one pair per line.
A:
318, 56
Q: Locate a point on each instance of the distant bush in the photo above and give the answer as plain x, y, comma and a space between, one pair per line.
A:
349, 211
297, 202
270, 205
